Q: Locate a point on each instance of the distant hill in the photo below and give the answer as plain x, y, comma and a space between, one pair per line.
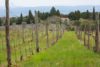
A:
63, 9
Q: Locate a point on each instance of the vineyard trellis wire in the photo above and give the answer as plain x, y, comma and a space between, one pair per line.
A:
27, 39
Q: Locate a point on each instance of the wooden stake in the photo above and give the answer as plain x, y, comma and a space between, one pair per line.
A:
7, 33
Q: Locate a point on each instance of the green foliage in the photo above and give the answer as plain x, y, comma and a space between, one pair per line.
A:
45, 15
1, 21
54, 12
74, 15
94, 17
71, 16
13, 20
30, 18
58, 13
86, 15
20, 19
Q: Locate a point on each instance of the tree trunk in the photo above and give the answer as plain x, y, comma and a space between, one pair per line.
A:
7, 33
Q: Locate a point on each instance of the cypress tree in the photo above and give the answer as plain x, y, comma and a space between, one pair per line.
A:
53, 11
94, 13
87, 14
30, 17
20, 19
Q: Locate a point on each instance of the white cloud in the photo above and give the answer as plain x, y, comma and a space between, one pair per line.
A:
33, 3
1, 3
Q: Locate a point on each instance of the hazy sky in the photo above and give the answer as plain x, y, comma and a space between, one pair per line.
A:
33, 3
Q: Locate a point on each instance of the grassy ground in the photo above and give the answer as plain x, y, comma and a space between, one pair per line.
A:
67, 52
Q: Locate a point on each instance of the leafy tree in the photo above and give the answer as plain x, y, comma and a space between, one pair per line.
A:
53, 11
71, 16
13, 20
58, 13
20, 19
30, 17
86, 15
1, 21
75, 15
99, 15
43, 15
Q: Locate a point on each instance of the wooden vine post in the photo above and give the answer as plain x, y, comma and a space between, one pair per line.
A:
84, 35
97, 42
36, 31
88, 44
57, 30
47, 35
7, 33
32, 29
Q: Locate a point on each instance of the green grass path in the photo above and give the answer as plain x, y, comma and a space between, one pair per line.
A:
67, 52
